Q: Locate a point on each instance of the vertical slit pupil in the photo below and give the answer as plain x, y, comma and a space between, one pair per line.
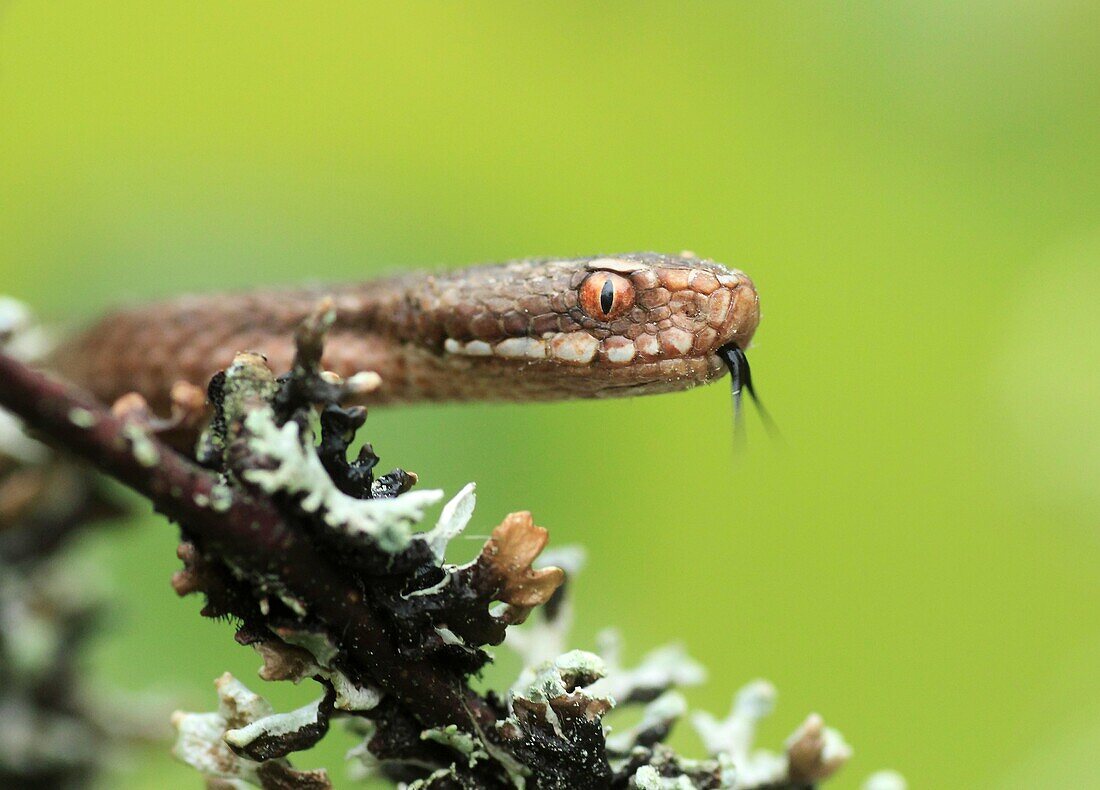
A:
607, 296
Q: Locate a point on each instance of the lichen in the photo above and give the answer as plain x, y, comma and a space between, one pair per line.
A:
201, 736
453, 519
276, 724
145, 452
316, 643
221, 498
657, 720
430, 780
453, 738
16, 445
665, 667
647, 778
885, 780
211, 742
560, 676
298, 471
21, 335
351, 697
81, 418
813, 752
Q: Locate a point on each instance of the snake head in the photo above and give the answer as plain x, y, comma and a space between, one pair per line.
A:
594, 327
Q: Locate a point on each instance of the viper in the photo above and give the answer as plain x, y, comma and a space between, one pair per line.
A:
532, 329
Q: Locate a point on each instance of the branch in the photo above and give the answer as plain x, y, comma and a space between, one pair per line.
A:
244, 529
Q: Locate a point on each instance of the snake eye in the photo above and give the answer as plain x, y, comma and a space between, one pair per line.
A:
605, 295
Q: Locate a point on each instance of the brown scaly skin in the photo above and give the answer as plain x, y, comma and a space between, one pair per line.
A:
523, 330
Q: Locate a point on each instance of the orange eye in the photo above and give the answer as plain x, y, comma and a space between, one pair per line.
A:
605, 295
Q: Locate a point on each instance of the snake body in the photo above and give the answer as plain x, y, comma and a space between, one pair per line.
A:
534, 329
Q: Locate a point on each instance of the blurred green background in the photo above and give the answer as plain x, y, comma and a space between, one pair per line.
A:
915, 188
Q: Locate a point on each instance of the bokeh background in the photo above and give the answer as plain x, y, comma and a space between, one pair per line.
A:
915, 188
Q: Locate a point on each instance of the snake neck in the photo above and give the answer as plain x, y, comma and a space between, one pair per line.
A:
147, 349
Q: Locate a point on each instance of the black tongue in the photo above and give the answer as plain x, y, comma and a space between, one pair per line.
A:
741, 379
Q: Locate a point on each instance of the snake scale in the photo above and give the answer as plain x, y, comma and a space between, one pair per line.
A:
533, 329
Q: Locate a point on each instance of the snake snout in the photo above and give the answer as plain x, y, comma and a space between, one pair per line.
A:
594, 327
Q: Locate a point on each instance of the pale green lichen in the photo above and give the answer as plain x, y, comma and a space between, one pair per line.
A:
388, 522
20, 333
81, 418
456, 739
349, 696
274, 725
448, 636
647, 778
292, 602
16, 445
552, 680
554, 685
734, 735
200, 742
885, 780
453, 519
813, 750
661, 668
361, 764
221, 498
666, 709
558, 677
316, 643
204, 739
143, 448
516, 771
420, 784
248, 381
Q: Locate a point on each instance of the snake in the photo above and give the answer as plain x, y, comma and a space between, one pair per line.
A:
534, 329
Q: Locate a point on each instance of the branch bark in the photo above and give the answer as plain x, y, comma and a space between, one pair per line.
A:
247, 530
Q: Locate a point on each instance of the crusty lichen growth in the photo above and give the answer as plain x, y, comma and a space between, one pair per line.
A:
214, 743
296, 470
812, 754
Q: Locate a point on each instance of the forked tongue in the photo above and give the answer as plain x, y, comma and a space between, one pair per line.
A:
741, 380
